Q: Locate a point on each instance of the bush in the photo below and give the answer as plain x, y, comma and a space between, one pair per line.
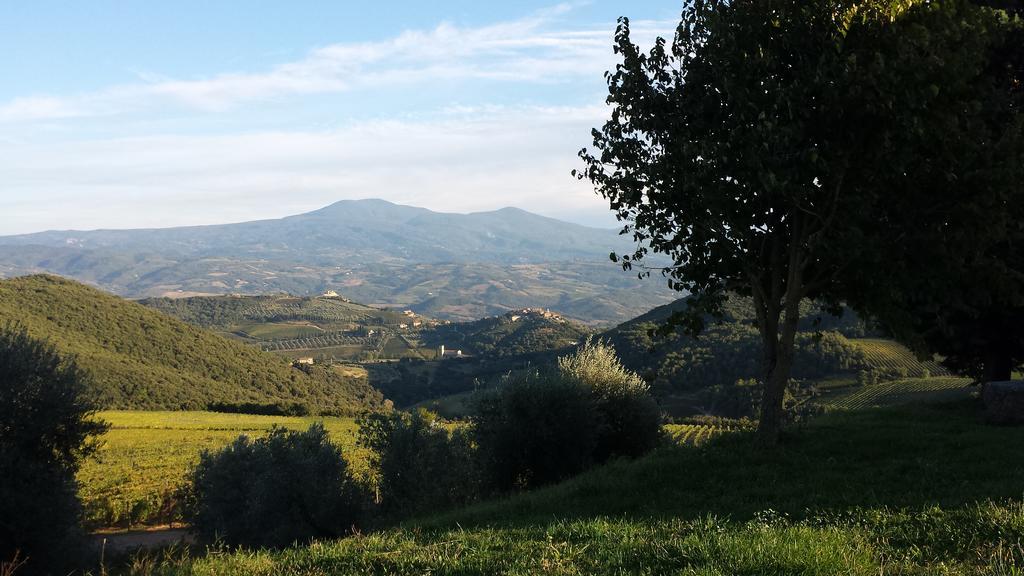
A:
542, 427
45, 429
536, 428
275, 491
421, 466
631, 420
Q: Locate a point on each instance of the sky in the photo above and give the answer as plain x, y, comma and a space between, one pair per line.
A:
129, 114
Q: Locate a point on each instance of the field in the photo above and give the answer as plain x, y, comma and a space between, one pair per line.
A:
896, 392
888, 355
885, 491
145, 456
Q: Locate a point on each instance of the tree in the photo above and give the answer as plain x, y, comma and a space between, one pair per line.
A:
630, 418
757, 148
421, 465
274, 491
47, 427
959, 292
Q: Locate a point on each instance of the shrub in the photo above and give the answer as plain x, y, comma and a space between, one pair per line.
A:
420, 464
536, 428
631, 420
45, 429
275, 491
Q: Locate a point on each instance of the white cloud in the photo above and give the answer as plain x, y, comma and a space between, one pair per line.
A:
469, 159
531, 49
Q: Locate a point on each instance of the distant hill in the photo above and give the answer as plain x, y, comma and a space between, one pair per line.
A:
142, 359
514, 333
451, 266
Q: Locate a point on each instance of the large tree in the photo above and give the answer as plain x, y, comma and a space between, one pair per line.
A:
46, 429
958, 289
757, 149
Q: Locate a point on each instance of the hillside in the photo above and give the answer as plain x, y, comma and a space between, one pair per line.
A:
701, 374
334, 327
448, 266
906, 494
142, 359
525, 331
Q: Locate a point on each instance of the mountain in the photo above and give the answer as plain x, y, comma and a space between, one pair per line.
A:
451, 266
142, 359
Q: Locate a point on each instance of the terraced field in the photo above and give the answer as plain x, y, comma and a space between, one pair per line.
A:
897, 392
145, 456
892, 356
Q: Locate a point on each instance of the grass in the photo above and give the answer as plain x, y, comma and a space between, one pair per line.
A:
146, 455
907, 490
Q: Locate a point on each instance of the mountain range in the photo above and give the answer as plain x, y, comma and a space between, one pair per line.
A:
449, 266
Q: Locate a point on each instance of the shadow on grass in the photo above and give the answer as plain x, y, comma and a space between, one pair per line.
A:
894, 458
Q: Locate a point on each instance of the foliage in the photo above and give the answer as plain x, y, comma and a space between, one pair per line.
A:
755, 156
536, 428
630, 418
141, 359
46, 430
953, 282
274, 491
420, 464
135, 476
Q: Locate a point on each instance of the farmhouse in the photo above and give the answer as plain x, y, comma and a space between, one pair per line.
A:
442, 353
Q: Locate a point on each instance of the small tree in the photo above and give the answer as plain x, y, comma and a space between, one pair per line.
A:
630, 418
536, 428
420, 464
46, 429
758, 149
274, 491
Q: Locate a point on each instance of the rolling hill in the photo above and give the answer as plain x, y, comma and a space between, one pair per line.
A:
450, 266
142, 359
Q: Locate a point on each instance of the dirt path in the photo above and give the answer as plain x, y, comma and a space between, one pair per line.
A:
117, 542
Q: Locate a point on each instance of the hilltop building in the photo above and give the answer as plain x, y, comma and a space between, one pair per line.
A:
442, 353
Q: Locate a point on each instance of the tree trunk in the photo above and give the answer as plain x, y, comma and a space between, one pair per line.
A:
779, 351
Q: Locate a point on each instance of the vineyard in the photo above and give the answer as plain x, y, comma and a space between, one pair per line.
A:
700, 430
892, 357
326, 340
145, 456
896, 392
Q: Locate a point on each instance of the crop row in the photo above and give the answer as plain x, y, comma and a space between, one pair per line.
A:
326, 340
892, 356
906, 391
693, 434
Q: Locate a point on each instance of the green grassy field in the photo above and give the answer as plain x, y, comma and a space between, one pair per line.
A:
145, 456
878, 491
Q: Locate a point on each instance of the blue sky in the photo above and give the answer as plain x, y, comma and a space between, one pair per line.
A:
142, 114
